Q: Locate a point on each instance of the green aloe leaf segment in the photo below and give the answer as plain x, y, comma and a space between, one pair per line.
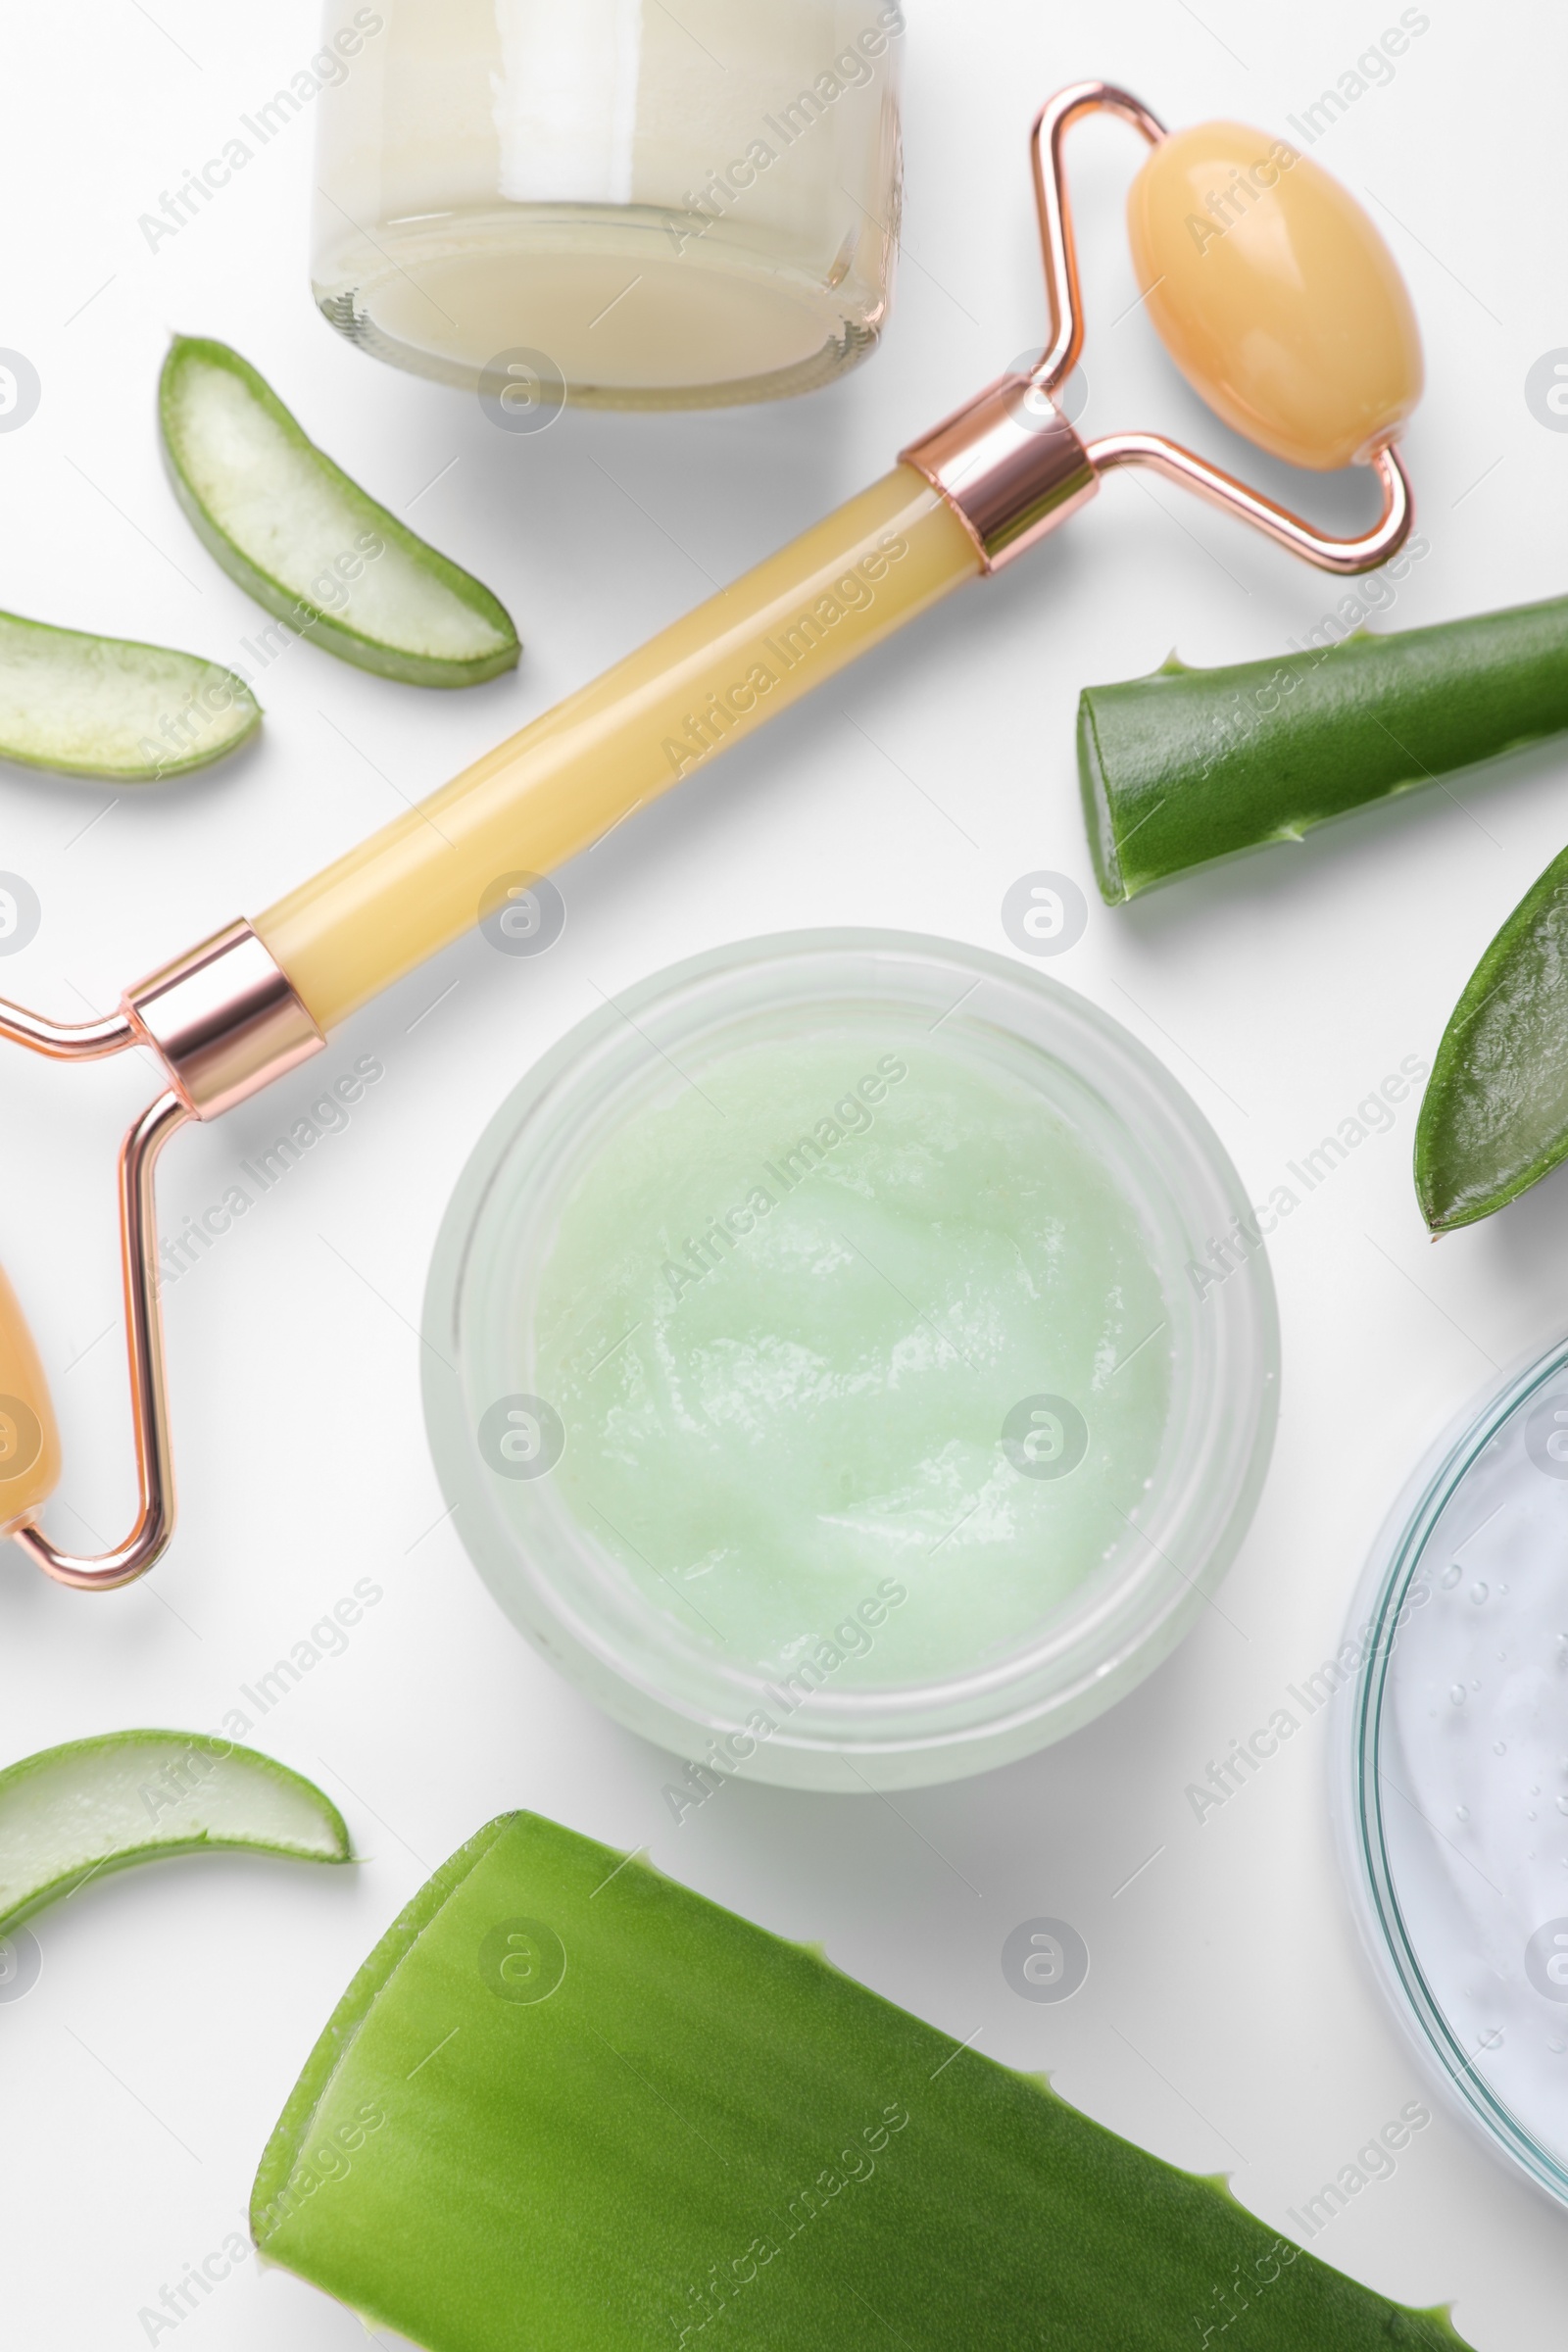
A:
306, 542
1495, 1118
72, 1813
1191, 764
568, 2106
110, 707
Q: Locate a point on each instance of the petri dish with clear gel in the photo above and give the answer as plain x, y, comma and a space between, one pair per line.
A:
817, 1370
1452, 1785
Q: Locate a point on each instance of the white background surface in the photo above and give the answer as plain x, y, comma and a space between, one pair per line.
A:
1229, 2021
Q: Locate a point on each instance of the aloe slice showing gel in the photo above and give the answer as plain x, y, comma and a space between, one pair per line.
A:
567, 2106
109, 706
1495, 1117
306, 541
95, 1805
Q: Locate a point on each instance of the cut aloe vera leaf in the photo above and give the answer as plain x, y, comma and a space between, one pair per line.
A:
1189, 765
110, 707
567, 2106
94, 1805
306, 542
1495, 1116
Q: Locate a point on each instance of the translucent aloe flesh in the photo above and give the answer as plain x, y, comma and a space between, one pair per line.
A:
1189, 765
306, 542
568, 2106
94, 1805
1495, 1118
110, 707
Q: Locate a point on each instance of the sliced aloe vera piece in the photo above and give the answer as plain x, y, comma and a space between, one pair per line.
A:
95, 1805
1495, 1117
110, 707
567, 2106
306, 542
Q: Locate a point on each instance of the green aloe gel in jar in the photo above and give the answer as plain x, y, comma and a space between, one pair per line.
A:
788, 1316
817, 1366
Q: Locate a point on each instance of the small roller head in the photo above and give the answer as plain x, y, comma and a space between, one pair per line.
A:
1274, 294
30, 1441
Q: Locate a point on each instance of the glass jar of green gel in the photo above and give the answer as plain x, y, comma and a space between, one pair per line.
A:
611, 201
817, 1369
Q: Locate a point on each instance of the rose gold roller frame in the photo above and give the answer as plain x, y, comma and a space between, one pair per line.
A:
1010, 466
224, 1020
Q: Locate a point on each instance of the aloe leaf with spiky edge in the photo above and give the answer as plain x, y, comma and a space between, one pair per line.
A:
1495, 1116
72, 1813
568, 2106
1186, 766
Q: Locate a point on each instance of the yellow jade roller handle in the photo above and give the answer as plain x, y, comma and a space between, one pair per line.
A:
563, 782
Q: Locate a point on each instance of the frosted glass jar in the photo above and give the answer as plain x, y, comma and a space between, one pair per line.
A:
607, 201
954, 1453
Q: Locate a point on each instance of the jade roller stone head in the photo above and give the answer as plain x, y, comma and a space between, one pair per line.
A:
1274, 294
30, 1445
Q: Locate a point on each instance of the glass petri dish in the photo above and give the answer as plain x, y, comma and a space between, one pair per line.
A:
1451, 1796
872, 1448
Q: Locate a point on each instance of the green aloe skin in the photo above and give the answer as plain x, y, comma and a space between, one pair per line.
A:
1495, 1118
306, 542
567, 2106
1191, 764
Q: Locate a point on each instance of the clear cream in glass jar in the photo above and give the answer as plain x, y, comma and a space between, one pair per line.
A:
607, 201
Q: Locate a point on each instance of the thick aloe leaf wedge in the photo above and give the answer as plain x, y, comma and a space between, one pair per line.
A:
306, 542
567, 2106
109, 706
1495, 1117
95, 1805
1189, 765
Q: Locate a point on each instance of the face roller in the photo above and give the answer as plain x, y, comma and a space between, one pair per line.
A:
1277, 299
